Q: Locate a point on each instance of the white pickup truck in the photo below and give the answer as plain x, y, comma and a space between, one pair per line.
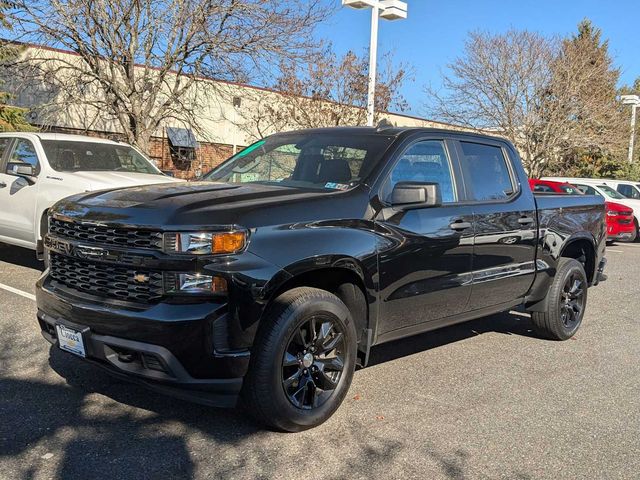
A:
38, 169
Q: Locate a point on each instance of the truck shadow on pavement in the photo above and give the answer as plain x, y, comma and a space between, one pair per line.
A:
69, 430
507, 323
22, 257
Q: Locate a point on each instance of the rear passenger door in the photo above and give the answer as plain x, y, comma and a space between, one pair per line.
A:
505, 223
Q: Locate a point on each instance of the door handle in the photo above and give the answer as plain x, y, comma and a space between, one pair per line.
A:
525, 220
459, 225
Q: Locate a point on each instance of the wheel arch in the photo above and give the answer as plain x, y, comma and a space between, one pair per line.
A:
583, 249
344, 278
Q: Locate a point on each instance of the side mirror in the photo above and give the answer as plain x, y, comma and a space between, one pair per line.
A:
21, 170
408, 195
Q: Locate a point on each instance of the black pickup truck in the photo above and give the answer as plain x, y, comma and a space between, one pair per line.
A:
273, 277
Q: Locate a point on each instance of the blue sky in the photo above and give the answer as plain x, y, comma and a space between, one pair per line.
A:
435, 31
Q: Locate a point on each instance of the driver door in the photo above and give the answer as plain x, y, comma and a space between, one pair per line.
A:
425, 254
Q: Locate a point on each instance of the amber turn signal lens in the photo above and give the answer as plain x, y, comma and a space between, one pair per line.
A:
228, 242
219, 285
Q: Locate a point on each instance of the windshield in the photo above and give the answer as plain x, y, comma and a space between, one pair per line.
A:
70, 156
611, 192
330, 161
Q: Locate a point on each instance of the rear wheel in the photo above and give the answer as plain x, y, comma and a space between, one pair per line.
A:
302, 362
566, 302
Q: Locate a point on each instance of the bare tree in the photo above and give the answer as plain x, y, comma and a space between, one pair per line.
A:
549, 97
499, 84
142, 62
327, 91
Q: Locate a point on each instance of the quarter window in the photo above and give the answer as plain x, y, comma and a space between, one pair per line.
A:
425, 161
23, 153
487, 171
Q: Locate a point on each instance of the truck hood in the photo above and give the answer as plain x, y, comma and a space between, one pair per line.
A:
192, 205
105, 179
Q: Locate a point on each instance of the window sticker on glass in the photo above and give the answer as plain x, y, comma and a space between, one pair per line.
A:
336, 186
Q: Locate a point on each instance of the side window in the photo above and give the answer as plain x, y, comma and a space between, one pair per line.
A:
587, 190
487, 171
425, 161
628, 191
543, 188
23, 153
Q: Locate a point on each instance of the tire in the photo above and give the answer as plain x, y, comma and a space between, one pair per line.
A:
637, 238
283, 387
566, 302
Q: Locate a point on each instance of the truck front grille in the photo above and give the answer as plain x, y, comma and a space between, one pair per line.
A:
106, 235
105, 280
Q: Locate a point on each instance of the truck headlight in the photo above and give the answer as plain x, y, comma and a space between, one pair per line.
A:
205, 243
194, 283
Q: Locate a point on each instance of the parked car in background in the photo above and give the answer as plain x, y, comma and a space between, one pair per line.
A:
591, 186
620, 222
275, 276
627, 188
620, 219
549, 186
38, 169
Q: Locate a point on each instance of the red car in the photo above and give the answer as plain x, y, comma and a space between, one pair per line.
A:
548, 186
620, 225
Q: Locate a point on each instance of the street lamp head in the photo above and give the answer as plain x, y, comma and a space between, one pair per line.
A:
393, 9
630, 99
359, 3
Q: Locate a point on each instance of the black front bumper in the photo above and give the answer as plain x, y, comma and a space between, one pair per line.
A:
167, 347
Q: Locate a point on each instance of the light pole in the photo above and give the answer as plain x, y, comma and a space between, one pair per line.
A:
634, 101
388, 10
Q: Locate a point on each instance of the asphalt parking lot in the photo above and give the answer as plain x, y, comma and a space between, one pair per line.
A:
486, 399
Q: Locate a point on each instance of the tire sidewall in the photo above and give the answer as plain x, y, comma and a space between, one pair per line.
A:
287, 415
565, 271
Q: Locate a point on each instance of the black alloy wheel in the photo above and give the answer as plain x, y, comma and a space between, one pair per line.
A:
313, 362
572, 300
302, 362
565, 304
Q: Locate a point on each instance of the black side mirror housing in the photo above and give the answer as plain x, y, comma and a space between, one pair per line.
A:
409, 195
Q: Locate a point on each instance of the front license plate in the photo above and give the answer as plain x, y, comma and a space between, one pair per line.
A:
70, 340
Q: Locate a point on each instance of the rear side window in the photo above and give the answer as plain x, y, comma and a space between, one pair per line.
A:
487, 171
542, 188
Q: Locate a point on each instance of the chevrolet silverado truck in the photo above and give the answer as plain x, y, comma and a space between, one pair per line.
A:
267, 282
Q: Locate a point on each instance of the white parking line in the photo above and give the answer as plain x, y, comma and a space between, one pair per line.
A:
18, 292
614, 251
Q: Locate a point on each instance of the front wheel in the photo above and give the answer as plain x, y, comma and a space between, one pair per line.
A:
302, 362
566, 302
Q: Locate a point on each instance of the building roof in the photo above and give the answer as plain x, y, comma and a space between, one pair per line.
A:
62, 137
